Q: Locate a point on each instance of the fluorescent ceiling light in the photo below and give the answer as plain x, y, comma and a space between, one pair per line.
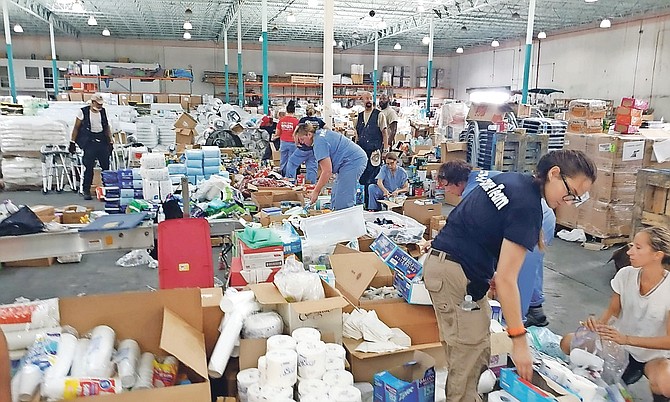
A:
290, 17
18, 28
605, 23
188, 25
425, 40
495, 43
77, 7
590, 1
105, 32
494, 96
312, 3
260, 38
459, 50
368, 22
397, 46
542, 35
92, 21
421, 8
187, 35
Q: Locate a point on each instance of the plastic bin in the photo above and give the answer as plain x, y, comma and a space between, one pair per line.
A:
406, 231
334, 227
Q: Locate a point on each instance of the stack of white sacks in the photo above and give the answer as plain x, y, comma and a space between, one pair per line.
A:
146, 132
156, 184
302, 366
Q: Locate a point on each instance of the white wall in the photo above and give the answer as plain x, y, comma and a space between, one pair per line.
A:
596, 63
206, 56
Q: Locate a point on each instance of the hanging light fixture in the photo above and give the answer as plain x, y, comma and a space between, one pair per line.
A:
426, 40
18, 28
290, 17
340, 44
542, 35
187, 35
92, 21
421, 8
356, 35
495, 43
334, 43
464, 28
105, 32
188, 25
260, 38
312, 3
397, 46
77, 7
606, 23
459, 50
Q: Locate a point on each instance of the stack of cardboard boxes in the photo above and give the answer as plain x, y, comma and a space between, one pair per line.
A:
629, 115
184, 128
586, 115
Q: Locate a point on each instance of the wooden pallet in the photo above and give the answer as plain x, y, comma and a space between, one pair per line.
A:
303, 79
519, 152
604, 242
652, 199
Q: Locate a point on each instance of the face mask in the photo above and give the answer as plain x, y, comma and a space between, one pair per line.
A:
368, 105
304, 147
383, 105
97, 109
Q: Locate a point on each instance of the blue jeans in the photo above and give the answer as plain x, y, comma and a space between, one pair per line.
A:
530, 281
344, 188
296, 159
374, 195
285, 150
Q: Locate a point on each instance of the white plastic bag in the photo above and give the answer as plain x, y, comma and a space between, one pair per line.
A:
296, 284
135, 258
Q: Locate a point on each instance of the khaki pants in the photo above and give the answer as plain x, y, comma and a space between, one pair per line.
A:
465, 334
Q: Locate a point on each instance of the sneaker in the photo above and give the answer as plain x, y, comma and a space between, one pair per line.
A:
87, 196
632, 374
536, 318
660, 398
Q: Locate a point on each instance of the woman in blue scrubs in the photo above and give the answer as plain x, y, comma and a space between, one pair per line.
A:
336, 154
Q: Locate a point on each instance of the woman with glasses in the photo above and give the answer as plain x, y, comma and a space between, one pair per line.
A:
391, 181
489, 233
336, 154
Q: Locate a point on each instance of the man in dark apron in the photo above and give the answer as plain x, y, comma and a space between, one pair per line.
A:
93, 135
371, 136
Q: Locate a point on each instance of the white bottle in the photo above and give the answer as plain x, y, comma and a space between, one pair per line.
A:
468, 304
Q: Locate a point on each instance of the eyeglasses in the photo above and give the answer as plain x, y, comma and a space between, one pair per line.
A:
570, 197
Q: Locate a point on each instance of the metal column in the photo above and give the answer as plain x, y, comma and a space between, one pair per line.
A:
240, 74
10, 54
266, 87
430, 66
529, 50
374, 71
328, 37
225, 64
54, 65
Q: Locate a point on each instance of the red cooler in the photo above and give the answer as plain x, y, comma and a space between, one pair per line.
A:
185, 254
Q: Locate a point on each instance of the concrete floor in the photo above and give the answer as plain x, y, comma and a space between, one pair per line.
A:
576, 280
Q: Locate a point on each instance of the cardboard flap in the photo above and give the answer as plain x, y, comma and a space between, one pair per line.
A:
183, 342
456, 146
211, 297
352, 344
415, 368
267, 293
354, 272
315, 306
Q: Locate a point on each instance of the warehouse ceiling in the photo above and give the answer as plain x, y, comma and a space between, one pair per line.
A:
458, 23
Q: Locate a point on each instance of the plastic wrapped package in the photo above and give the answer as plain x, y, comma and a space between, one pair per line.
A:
399, 228
24, 315
335, 227
20, 134
615, 360
296, 284
21, 172
135, 258
584, 339
545, 341
262, 325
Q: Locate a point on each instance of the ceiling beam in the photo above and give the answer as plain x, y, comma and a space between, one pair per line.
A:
41, 12
229, 18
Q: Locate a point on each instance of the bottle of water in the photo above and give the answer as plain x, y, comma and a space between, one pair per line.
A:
468, 304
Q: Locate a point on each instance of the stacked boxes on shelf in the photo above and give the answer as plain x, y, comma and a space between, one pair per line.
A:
357, 71
436, 77
399, 75
156, 185
586, 115
629, 115
608, 211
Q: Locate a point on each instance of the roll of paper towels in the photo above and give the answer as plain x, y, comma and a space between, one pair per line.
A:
247, 378
145, 372
79, 356
315, 398
272, 393
279, 368
306, 334
262, 325
255, 393
367, 390
127, 359
99, 352
338, 378
277, 342
335, 357
312, 386
311, 359
345, 394
225, 344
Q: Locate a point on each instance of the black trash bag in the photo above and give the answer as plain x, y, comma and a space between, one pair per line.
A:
22, 222
223, 139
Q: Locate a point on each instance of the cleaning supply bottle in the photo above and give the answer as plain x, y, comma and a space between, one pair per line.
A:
468, 304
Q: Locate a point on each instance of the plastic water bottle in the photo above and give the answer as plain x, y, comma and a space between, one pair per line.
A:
468, 304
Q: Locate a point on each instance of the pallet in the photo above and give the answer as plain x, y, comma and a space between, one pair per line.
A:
652, 199
302, 79
604, 242
518, 152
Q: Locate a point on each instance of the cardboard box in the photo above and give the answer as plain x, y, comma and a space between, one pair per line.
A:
627, 120
76, 97
413, 381
241, 279
212, 315
46, 213
567, 215
635, 103
162, 98
184, 136
614, 187
196, 100
185, 101
413, 291
266, 219
626, 129
650, 160
185, 121
541, 389
588, 108
356, 272
576, 141
72, 214
628, 111
162, 322
63, 97
585, 125
172, 98
396, 258
453, 151
136, 98
124, 99
605, 219
324, 314
620, 153
269, 198
485, 112
436, 224
421, 211
261, 258
33, 263
452, 199
523, 110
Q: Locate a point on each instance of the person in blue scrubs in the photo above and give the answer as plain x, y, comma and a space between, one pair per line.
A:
391, 180
304, 154
336, 154
459, 179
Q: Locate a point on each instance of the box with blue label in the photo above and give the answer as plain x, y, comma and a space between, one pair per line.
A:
397, 258
414, 381
540, 389
414, 292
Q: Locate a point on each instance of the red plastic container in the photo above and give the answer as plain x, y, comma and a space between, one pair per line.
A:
185, 254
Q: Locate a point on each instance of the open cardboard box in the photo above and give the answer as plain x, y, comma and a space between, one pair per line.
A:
162, 322
356, 272
453, 151
420, 212
324, 315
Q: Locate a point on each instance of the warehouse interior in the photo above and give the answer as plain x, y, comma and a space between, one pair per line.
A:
202, 151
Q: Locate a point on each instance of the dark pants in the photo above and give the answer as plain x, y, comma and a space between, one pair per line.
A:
99, 151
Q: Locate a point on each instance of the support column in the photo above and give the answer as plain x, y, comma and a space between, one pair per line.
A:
328, 37
225, 64
10, 54
430, 66
240, 74
374, 71
266, 85
529, 50
54, 65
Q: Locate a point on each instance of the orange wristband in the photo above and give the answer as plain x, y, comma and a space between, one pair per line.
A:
516, 332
